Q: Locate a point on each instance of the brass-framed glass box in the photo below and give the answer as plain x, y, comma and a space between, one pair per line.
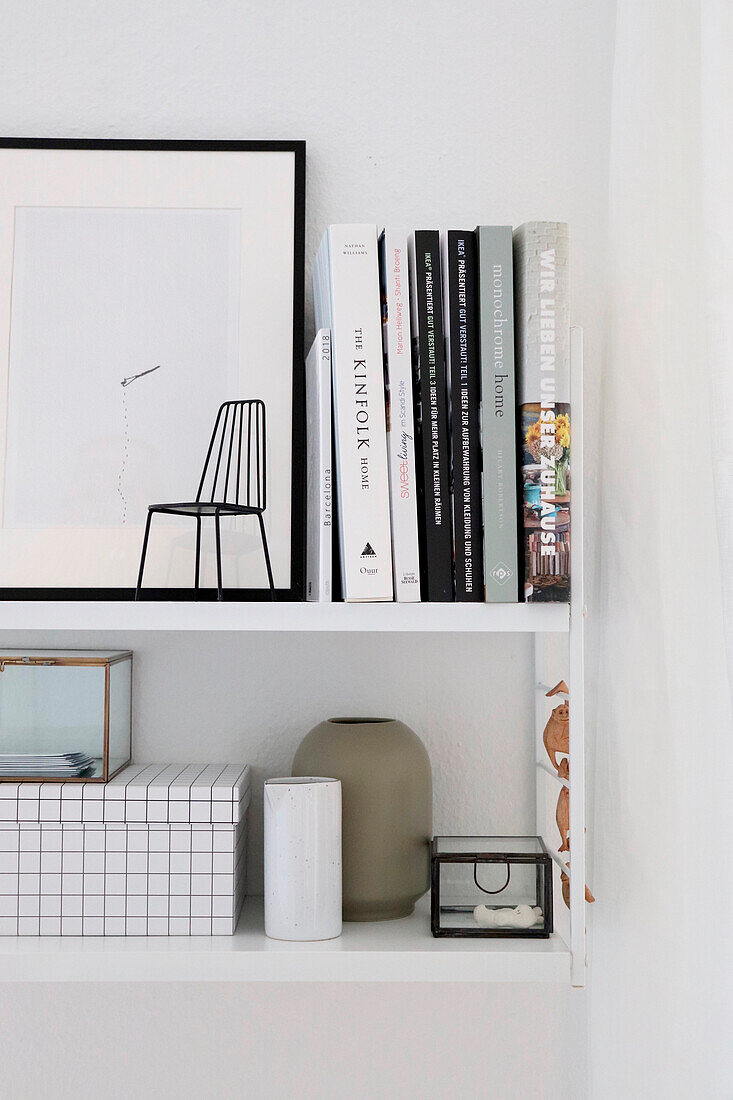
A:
65, 714
491, 886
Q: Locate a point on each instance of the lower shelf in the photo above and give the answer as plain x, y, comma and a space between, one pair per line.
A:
393, 951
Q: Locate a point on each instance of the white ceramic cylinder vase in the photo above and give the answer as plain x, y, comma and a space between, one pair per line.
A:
303, 858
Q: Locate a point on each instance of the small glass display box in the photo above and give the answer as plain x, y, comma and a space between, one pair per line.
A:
491, 886
64, 714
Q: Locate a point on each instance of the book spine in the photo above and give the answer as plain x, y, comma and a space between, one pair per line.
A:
541, 265
498, 414
360, 427
465, 395
431, 417
395, 286
319, 474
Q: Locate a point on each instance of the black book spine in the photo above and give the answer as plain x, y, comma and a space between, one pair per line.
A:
431, 415
465, 395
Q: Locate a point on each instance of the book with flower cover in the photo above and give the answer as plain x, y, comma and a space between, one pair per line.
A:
502, 574
542, 323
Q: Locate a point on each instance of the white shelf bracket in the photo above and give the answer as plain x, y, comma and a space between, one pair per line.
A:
546, 793
577, 668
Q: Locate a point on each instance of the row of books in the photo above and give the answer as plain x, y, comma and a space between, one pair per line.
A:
438, 415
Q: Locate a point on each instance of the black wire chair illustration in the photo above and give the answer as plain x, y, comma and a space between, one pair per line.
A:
233, 483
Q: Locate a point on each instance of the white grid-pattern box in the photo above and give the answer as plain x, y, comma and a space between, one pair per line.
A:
157, 851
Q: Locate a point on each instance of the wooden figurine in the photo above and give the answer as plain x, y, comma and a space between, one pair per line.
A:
562, 812
566, 890
556, 739
556, 736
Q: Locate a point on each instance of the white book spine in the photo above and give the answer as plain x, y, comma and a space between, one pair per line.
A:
400, 416
319, 473
346, 288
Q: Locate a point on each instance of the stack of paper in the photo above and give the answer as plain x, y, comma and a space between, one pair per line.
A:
65, 765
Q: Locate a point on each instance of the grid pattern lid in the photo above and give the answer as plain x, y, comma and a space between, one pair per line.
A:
160, 793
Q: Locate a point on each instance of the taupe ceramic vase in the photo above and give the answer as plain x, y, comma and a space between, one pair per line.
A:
387, 789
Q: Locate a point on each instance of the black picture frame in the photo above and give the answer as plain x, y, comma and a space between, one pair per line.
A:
296, 589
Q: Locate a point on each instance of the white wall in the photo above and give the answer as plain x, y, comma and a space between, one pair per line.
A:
513, 125
264, 1042
662, 964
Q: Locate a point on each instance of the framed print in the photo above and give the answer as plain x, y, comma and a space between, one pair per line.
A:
151, 372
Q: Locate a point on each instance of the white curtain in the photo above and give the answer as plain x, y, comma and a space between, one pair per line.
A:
661, 986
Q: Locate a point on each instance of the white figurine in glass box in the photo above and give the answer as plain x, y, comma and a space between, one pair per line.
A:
523, 916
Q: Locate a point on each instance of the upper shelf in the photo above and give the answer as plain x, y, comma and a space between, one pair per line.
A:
428, 618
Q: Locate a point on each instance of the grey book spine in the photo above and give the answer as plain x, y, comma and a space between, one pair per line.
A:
498, 414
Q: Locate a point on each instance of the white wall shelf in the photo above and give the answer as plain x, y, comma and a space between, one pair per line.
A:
390, 951
266, 616
395, 950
